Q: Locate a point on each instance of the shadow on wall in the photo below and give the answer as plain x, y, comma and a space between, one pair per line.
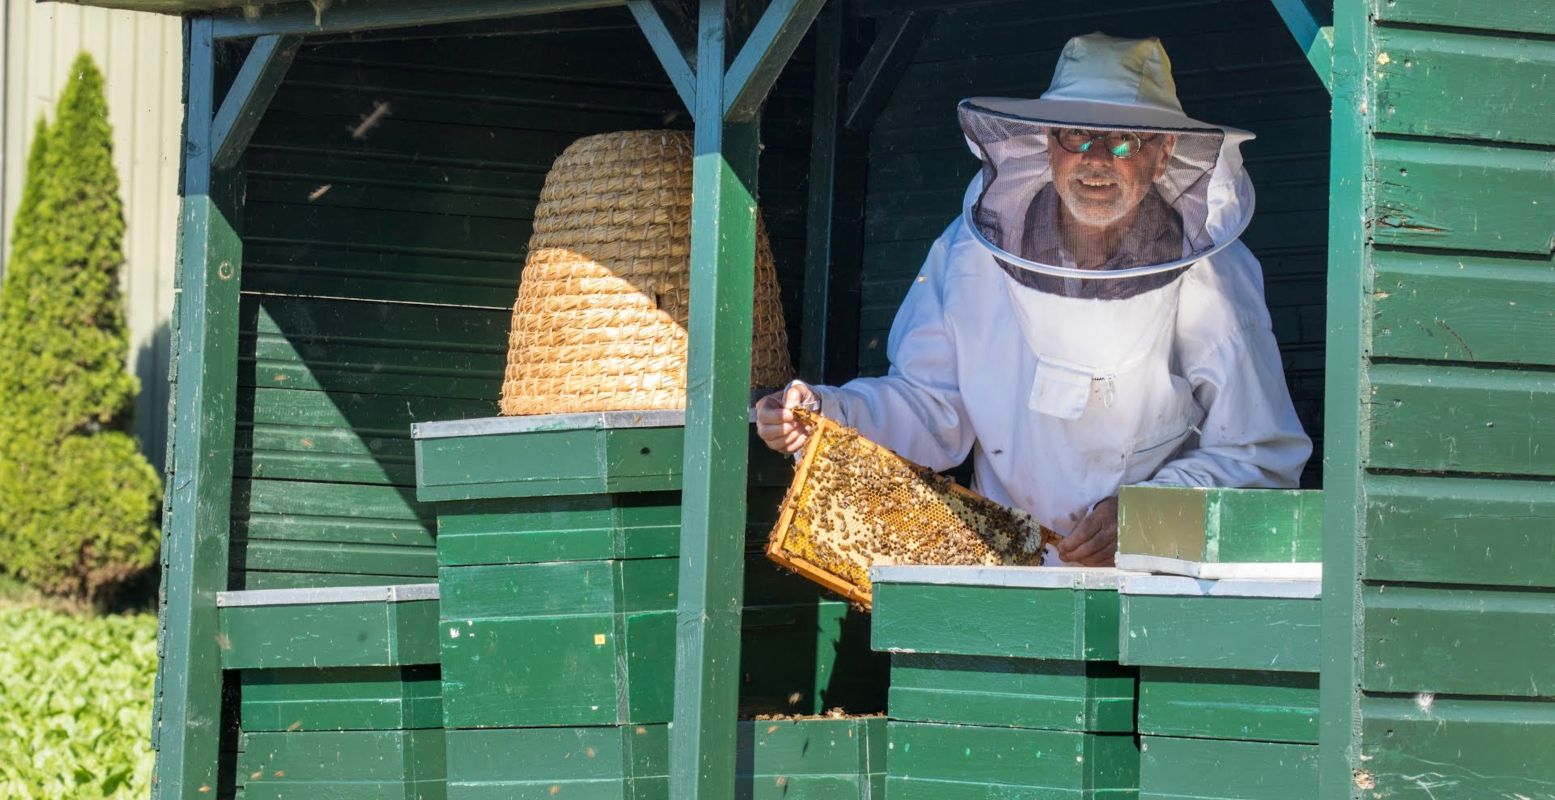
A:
152, 405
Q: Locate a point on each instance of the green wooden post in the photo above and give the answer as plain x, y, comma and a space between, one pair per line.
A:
1346, 395
821, 202
723, 252
188, 706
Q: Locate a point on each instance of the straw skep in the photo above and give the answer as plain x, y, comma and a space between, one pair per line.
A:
604, 299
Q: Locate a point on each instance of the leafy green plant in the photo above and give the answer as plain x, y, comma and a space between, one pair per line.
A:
75, 704
78, 501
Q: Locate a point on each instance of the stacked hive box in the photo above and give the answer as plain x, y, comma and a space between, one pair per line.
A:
558, 543
1228, 686
1005, 683
340, 694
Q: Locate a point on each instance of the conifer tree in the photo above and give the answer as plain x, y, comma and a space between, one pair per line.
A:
78, 500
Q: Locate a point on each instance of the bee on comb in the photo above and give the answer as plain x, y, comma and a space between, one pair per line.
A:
854, 504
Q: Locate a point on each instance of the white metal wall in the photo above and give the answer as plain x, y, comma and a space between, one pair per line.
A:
141, 56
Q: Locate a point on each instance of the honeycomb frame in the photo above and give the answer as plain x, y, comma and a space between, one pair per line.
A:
854, 504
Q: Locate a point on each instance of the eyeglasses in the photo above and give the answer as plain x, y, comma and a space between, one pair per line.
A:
1121, 144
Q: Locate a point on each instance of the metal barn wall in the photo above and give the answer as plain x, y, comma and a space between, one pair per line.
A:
390, 191
141, 56
1235, 64
1440, 557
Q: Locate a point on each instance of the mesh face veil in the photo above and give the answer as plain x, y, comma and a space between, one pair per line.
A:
1074, 208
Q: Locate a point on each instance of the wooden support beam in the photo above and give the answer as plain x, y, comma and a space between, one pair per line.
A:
188, 711
250, 95
672, 38
764, 55
307, 18
712, 560
1312, 26
895, 43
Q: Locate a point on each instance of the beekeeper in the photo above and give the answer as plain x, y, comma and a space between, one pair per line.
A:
1091, 319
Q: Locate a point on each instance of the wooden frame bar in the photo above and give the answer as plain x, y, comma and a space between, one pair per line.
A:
1347, 399
301, 18
250, 94
764, 55
711, 591
895, 43
671, 41
821, 204
187, 717
1312, 36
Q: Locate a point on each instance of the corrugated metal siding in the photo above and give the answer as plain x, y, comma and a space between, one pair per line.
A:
381, 260
140, 55
1235, 64
1456, 609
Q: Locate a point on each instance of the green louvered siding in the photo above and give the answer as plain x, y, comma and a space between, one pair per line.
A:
1452, 575
380, 262
1235, 64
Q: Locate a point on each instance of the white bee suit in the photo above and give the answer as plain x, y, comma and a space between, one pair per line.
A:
1068, 395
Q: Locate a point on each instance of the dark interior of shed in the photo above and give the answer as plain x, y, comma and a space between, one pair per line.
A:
391, 185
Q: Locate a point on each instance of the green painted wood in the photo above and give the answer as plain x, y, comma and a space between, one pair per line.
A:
667, 31
304, 511
380, 273
1220, 525
249, 95
1464, 308
723, 236
626, 762
1430, 748
1072, 625
1012, 692
188, 710
387, 14
348, 698
255, 579
1460, 531
1458, 641
965, 762
1348, 285
811, 759
334, 558
1448, 84
896, 41
1464, 197
1311, 25
379, 634
1536, 18
764, 54
1204, 769
806, 656
1229, 704
1462, 419
1208, 632
549, 463
574, 528
343, 765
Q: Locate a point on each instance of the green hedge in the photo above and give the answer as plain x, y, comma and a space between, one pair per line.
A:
75, 704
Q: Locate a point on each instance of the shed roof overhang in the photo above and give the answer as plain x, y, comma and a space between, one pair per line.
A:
327, 15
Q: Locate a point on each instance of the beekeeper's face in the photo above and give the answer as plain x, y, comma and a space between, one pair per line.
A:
1103, 175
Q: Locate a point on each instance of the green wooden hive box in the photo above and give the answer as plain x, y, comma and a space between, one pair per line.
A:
1005, 683
558, 550
339, 692
1221, 533
1228, 686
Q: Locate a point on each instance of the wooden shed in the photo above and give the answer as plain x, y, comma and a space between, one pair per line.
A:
358, 181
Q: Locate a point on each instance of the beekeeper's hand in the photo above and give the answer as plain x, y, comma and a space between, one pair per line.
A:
775, 422
1093, 542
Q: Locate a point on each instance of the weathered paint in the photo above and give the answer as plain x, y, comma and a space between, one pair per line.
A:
1450, 418
1424, 747
1473, 531
1247, 633
341, 698
1244, 705
1455, 307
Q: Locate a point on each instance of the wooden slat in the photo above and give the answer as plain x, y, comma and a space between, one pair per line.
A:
1428, 748
331, 635
1206, 769
993, 621
965, 762
1012, 692
1464, 308
1538, 18
1458, 641
549, 463
1228, 704
1462, 419
342, 765
1250, 633
345, 698
342, 558
1441, 83
1464, 197
1460, 531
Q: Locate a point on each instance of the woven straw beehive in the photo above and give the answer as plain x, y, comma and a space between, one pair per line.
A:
854, 504
600, 321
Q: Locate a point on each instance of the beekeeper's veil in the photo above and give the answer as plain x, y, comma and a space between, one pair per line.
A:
1103, 188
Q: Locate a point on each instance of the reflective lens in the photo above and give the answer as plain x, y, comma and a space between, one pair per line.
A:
1121, 144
